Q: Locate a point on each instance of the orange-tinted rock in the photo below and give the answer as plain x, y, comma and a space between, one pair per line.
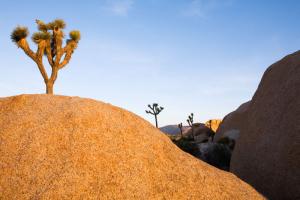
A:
55, 147
213, 124
267, 153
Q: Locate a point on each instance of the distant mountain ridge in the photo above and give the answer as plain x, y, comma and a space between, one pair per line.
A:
173, 129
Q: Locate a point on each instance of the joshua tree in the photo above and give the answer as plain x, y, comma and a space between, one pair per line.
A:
180, 127
155, 110
190, 121
49, 41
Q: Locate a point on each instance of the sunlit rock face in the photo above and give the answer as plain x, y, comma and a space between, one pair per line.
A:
213, 124
56, 147
267, 151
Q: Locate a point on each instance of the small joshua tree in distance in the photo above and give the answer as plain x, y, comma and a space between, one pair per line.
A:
49, 41
154, 110
180, 127
190, 121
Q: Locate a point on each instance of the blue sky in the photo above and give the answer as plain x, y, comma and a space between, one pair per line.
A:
201, 56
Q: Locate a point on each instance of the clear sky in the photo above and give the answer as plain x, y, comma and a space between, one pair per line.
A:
201, 56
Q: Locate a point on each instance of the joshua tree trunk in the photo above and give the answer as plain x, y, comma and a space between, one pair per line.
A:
193, 133
156, 121
180, 128
49, 87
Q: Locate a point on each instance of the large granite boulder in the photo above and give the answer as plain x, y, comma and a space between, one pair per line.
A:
201, 132
56, 147
267, 152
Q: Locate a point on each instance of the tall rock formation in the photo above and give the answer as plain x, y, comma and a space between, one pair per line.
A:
267, 152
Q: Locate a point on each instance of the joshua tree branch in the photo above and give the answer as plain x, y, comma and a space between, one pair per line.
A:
24, 45
42, 70
40, 51
68, 50
39, 59
150, 112
58, 35
48, 53
54, 74
150, 107
66, 60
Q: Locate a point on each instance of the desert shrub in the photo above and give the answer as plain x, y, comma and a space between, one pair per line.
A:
204, 141
218, 155
227, 141
188, 145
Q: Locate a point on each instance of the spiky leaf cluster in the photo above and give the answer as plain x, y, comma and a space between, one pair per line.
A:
39, 36
190, 119
155, 109
75, 35
19, 33
58, 23
42, 26
44, 34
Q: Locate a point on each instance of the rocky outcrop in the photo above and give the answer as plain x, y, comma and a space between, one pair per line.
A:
213, 124
267, 152
201, 132
55, 147
232, 122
